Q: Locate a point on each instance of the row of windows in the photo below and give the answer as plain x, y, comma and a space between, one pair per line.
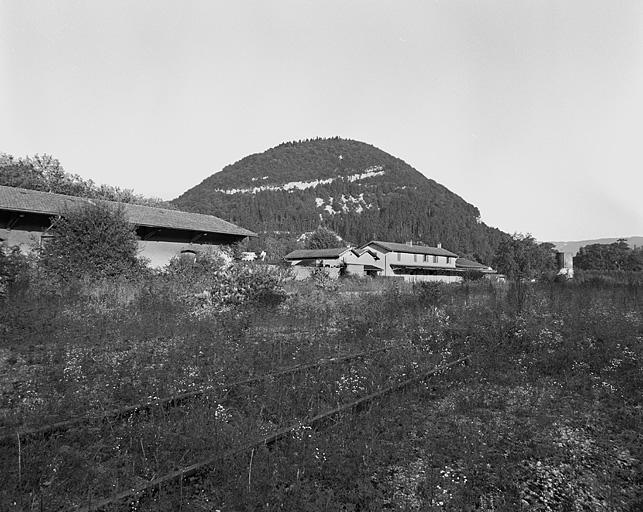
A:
427, 258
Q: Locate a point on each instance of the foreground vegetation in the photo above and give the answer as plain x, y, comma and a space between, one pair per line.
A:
546, 416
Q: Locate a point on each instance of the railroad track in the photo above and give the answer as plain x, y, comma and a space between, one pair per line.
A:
203, 467
260, 405
122, 413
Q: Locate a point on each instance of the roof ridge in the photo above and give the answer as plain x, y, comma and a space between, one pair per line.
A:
417, 249
53, 203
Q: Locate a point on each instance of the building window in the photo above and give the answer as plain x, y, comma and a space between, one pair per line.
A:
415, 258
435, 259
399, 256
448, 260
426, 258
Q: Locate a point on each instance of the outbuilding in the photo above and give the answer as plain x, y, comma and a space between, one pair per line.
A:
27, 216
338, 261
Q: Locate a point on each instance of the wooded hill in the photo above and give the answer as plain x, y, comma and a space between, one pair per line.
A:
355, 189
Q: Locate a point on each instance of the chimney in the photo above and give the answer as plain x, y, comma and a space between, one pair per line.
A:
439, 245
409, 243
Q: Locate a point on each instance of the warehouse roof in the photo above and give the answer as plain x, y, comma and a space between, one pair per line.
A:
48, 203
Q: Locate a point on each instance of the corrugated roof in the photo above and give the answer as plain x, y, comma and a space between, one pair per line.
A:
34, 201
304, 254
412, 249
465, 263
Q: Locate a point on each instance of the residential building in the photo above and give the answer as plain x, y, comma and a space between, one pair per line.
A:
415, 262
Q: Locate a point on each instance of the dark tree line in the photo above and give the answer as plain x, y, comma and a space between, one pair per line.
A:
521, 257
46, 174
615, 256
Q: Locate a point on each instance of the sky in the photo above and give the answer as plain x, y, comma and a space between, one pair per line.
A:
532, 110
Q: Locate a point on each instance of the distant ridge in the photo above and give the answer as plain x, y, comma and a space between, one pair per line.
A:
573, 247
357, 190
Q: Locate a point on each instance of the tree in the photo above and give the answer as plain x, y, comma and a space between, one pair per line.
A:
614, 256
14, 268
277, 246
322, 238
521, 257
94, 241
15, 173
45, 173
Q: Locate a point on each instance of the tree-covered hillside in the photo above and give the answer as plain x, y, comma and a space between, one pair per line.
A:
353, 188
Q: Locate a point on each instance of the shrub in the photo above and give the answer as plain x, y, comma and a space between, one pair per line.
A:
472, 275
242, 284
14, 268
94, 241
197, 272
428, 292
322, 279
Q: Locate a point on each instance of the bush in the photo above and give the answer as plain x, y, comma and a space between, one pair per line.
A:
14, 268
94, 241
322, 279
197, 272
429, 293
243, 284
472, 275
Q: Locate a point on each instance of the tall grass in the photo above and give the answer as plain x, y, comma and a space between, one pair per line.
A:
545, 418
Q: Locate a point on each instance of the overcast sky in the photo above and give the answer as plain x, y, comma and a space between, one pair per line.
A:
530, 110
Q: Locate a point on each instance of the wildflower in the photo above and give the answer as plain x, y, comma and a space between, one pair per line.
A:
221, 414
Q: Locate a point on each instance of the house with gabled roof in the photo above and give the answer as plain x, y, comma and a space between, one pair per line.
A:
26, 217
387, 259
337, 261
415, 262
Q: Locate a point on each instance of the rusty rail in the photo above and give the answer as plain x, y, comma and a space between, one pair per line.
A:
203, 467
118, 414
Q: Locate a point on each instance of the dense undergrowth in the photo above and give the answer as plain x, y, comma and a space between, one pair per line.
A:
547, 415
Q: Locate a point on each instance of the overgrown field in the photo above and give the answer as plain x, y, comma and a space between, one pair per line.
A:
547, 415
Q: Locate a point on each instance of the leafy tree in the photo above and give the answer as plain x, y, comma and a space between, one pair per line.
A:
521, 257
14, 268
94, 241
277, 247
19, 174
614, 256
322, 238
45, 173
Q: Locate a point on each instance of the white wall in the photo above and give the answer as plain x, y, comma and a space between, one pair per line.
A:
437, 279
301, 273
404, 258
26, 240
158, 253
